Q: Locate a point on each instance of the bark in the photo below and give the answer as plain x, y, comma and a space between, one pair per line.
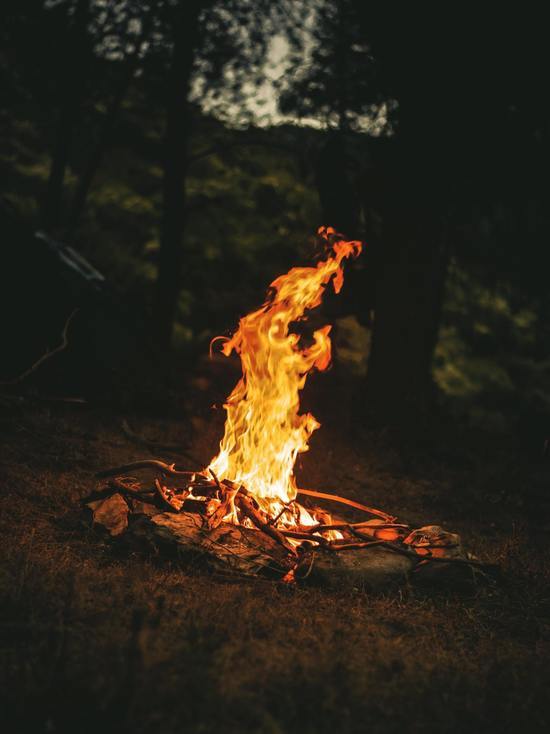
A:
68, 117
177, 133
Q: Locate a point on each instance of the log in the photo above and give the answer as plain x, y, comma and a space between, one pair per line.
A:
244, 551
227, 547
373, 568
365, 557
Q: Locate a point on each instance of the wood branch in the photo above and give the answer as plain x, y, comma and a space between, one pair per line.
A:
131, 489
361, 532
218, 483
427, 558
174, 506
296, 534
226, 507
345, 501
246, 506
167, 469
334, 546
116, 485
171, 471
286, 506
305, 566
349, 525
48, 354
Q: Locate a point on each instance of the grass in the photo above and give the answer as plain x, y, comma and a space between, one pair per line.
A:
94, 637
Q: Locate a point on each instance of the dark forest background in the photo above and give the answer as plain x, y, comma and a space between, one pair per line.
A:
133, 133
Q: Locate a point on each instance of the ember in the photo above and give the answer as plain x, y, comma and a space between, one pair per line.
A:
250, 484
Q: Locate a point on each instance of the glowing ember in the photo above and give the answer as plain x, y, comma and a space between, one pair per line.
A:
264, 430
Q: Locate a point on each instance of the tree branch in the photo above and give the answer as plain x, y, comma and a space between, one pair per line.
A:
50, 353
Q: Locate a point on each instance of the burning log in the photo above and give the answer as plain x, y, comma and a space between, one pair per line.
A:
247, 507
357, 556
345, 501
172, 500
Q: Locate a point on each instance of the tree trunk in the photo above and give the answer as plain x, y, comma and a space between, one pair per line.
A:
68, 115
410, 269
337, 194
177, 133
86, 179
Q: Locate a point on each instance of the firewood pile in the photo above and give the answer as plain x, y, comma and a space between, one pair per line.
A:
223, 525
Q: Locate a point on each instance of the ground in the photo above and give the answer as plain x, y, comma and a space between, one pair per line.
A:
94, 638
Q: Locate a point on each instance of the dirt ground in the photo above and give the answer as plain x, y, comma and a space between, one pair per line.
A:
94, 638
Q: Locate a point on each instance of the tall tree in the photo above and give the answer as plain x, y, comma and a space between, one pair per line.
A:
78, 52
184, 25
334, 86
456, 83
125, 34
403, 281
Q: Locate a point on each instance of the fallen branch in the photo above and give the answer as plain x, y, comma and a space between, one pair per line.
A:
167, 469
117, 485
345, 501
350, 525
48, 354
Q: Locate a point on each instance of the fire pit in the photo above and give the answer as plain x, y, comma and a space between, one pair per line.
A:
242, 513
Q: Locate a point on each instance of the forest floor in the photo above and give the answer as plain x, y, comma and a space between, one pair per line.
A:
96, 639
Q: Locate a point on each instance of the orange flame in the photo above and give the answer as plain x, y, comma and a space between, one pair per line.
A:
264, 431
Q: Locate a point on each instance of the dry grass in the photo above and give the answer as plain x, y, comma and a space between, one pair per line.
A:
95, 639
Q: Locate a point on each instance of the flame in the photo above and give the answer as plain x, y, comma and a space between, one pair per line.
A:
264, 430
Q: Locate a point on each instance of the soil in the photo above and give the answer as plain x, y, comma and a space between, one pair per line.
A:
98, 637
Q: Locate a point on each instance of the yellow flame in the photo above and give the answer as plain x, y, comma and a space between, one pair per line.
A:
264, 431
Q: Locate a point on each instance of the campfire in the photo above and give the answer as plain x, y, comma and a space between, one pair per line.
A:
245, 509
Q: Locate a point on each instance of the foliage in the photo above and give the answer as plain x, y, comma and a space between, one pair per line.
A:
337, 84
488, 361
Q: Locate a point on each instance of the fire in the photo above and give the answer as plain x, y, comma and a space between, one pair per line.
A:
251, 481
264, 430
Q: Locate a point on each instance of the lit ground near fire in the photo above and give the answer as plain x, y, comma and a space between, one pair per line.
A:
94, 638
